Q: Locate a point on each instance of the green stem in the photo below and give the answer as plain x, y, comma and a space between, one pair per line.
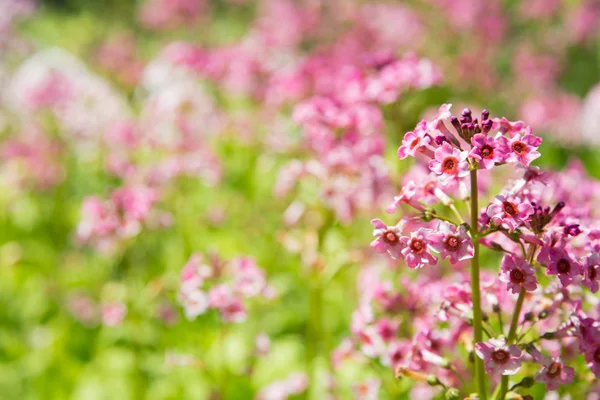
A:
512, 333
477, 319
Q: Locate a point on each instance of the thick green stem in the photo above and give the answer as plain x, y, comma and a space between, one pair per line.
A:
512, 332
476, 293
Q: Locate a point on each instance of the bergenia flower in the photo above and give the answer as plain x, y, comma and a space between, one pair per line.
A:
560, 263
449, 163
452, 242
413, 143
417, 249
517, 273
509, 211
554, 374
388, 238
485, 150
520, 150
498, 357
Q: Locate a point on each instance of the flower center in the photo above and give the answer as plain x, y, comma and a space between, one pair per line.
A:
452, 243
520, 148
449, 165
592, 273
390, 238
517, 275
500, 356
417, 245
597, 355
415, 143
487, 151
554, 370
429, 188
563, 266
510, 208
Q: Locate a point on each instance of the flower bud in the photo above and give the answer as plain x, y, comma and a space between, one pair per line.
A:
452, 394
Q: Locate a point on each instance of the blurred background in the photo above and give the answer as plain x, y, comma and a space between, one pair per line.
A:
144, 139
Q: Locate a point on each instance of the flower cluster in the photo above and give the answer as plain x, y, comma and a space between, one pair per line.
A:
223, 286
544, 227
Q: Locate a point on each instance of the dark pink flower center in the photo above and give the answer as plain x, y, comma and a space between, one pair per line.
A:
554, 370
517, 275
520, 148
452, 243
500, 356
390, 238
429, 188
510, 208
563, 266
417, 245
415, 143
592, 273
487, 151
449, 165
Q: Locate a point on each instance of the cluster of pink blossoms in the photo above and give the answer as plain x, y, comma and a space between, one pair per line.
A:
543, 223
223, 286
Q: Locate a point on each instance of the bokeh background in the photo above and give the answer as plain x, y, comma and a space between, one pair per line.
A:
135, 134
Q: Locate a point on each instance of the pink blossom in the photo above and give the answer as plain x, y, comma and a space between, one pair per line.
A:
367, 390
517, 149
591, 272
498, 357
509, 211
388, 238
485, 149
561, 263
554, 374
452, 242
505, 126
413, 143
449, 163
517, 274
417, 249
113, 313
293, 385
194, 303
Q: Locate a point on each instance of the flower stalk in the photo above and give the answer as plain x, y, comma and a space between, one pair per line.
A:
476, 293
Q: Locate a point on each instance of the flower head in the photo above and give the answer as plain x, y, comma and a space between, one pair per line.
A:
413, 143
449, 163
485, 149
452, 242
554, 374
517, 274
520, 149
498, 357
388, 238
417, 249
560, 262
509, 211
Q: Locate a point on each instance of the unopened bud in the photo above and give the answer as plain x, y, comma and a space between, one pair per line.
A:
527, 382
433, 380
529, 316
452, 394
513, 396
543, 314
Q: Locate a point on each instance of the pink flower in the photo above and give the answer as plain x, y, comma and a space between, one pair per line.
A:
485, 149
452, 242
194, 303
517, 149
388, 238
413, 143
560, 263
509, 211
367, 390
592, 357
554, 374
498, 357
591, 272
417, 249
113, 313
449, 163
505, 126
517, 274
